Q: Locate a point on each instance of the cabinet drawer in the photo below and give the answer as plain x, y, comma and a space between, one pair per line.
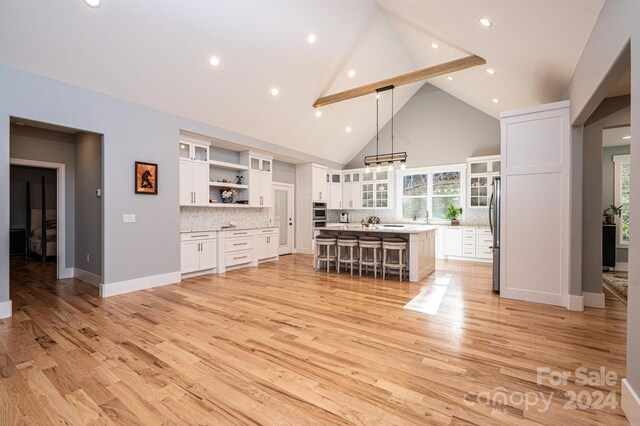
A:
239, 243
196, 236
469, 253
484, 241
470, 237
240, 233
469, 231
268, 231
469, 243
484, 253
483, 231
239, 257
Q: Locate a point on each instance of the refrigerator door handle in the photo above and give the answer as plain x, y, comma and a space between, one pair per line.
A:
491, 213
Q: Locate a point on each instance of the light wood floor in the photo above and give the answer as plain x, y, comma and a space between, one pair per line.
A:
281, 344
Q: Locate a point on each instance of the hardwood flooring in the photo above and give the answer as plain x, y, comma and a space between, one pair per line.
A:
282, 344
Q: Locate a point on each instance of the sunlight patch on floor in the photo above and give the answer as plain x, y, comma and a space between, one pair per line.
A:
430, 297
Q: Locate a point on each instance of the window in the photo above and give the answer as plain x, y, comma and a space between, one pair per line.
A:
623, 189
430, 190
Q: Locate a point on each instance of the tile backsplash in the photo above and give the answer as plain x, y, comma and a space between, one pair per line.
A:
472, 217
201, 218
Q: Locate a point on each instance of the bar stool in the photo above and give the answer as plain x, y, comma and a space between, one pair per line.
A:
398, 245
320, 255
348, 242
374, 244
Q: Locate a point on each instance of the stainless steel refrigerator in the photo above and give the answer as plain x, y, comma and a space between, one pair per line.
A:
494, 223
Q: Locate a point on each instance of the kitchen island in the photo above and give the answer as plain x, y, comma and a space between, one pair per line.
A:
421, 239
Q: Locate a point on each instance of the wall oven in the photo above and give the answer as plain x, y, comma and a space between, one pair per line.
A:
320, 211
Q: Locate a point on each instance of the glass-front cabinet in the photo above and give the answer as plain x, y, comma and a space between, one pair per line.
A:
260, 164
194, 151
482, 170
373, 189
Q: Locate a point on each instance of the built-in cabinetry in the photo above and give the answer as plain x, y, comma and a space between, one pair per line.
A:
260, 179
194, 173
266, 243
334, 181
363, 189
464, 242
311, 189
198, 252
481, 171
219, 251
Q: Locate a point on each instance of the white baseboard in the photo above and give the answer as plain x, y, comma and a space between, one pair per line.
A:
622, 266
129, 286
6, 309
87, 277
66, 273
593, 300
303, 251
575, 303
630, 403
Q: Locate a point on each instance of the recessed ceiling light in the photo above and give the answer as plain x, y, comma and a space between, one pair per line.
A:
93, 3
626, 137
485, 22
348, 129
352, 73
434, 45
495, 101
275, 91
491, 71
450, 78
318, 114
311, 38
214, 61
378, 95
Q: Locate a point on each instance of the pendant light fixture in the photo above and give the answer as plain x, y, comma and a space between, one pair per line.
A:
393, 156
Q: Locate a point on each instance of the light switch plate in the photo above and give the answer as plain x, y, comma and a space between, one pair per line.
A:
128, 218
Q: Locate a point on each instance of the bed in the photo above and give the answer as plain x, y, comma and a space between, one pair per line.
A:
36, 234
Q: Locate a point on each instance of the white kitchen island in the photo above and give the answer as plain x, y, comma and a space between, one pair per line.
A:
421, 253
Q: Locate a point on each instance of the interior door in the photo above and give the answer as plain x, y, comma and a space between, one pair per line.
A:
283, 216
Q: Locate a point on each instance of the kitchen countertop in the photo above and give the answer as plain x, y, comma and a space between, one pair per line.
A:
404, 229
219, 229
357, 224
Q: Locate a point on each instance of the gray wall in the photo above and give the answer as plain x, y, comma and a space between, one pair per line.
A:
19, 177
602, 63
88, 206
130, 133
30, 143
611, 113
608, 188
431, 120
284, 172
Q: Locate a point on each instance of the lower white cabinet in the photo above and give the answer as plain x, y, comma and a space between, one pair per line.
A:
267, 243
453, 241
198, 252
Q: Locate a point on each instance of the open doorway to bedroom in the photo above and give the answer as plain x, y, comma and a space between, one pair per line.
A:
55, 206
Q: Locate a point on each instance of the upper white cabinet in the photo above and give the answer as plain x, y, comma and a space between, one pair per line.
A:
319, 185
194, 151
334, 180
194, 173
260, 179
373, 189
351, 197
481, 172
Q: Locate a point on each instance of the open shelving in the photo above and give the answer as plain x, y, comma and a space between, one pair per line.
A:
229, 166
228, 185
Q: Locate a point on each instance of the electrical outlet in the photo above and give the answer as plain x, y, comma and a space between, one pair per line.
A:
128, 218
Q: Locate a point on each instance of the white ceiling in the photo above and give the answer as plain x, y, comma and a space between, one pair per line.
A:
613, 137
156, 53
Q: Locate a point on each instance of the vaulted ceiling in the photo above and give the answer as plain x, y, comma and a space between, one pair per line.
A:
156, 53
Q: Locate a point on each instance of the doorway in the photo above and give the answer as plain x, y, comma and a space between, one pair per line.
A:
38, 211
283, 203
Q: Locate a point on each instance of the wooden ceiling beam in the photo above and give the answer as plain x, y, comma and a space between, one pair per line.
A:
412, 77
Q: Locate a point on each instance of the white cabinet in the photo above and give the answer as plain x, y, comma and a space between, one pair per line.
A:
260, 179
484, 241
468, 242
267, 244
481, 172
334, 180
194, 183
453, 242
366, 190
351, 197
194, 151
319, 186
198, 252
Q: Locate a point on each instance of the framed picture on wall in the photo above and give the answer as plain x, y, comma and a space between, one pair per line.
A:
146, 178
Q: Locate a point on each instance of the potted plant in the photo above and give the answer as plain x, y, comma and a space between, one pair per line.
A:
609, 214
453, 213
227, 195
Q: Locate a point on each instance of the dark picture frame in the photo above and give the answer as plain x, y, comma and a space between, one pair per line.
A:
146, 177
